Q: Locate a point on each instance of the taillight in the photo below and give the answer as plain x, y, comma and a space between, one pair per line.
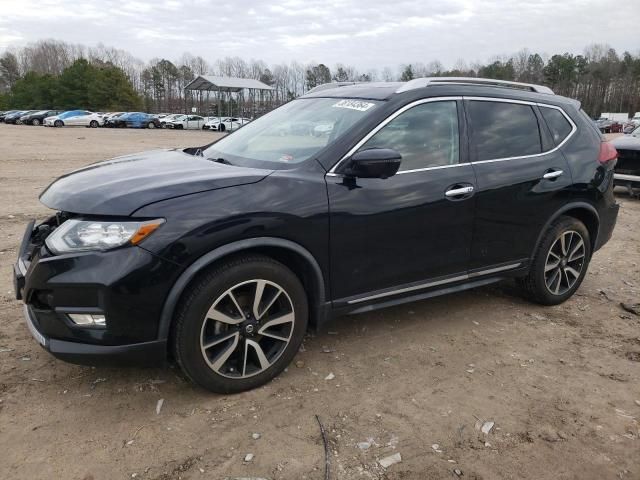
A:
607, 152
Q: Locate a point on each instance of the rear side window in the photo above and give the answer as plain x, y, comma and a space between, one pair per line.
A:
503, 130
558, 124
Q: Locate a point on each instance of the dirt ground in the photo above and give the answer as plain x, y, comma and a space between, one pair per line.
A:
561, 384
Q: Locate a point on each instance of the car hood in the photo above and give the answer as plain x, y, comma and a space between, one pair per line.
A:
122, 185
627, 142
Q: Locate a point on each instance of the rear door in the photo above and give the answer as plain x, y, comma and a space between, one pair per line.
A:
521, 179
394, 236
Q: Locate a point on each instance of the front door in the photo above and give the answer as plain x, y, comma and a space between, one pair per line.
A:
396, 233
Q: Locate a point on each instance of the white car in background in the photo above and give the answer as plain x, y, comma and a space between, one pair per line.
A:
80, 118
226, 123
186, 122
168, 118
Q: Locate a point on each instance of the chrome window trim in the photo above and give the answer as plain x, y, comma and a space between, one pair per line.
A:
376, 129
387, 120
458, 278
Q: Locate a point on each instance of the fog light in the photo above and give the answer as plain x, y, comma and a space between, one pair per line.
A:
88, 319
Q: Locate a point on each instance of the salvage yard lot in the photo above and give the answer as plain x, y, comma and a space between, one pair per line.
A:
560, 383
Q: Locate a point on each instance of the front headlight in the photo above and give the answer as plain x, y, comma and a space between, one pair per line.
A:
81, 235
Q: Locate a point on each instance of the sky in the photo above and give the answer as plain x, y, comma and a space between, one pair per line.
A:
365, 34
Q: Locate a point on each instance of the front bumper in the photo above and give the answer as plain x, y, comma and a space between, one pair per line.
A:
140, 354
127, 285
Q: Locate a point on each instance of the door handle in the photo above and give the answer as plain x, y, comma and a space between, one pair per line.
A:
552, 174
454, 192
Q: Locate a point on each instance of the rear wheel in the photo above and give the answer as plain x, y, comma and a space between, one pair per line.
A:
93, 124
240, 324
151, 125
560, 263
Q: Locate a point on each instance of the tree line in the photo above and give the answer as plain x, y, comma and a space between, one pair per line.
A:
56, 74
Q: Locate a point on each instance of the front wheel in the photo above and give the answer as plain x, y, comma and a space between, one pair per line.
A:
35, 122
93, 124
560, 263
240, 324
58, 123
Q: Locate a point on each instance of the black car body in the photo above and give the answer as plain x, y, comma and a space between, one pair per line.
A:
14, 118
116, 121
37, 118
627, 170
354, 233
3, 115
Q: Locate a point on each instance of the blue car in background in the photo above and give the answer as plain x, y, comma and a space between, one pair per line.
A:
140, 120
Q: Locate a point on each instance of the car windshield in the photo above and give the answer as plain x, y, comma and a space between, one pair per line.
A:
293, 132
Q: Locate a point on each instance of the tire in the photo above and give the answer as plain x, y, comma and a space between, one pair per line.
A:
35, 122
151, 125
552, 276
58, 123
222, 128
228, 364
93, 124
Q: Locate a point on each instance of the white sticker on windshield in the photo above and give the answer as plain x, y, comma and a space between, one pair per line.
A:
354, 105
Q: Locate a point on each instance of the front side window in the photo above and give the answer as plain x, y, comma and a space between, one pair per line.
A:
503, 130
292, 133
558, 124
425, 135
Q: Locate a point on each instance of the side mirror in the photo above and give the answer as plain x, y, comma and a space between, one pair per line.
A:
374, 163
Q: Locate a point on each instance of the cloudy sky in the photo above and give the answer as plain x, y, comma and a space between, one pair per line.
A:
364, 33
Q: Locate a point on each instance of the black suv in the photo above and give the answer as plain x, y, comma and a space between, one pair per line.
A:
222, 256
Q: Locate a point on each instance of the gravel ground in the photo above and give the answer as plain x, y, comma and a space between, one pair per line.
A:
559, 383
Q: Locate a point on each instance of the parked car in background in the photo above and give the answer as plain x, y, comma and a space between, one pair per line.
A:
186, 122
627, 169
140, 120
6, 114
14, 118
225, 123
221, 256
84, 118
116, 120
58, 120
606, 125
630, 126
37, 118
109, 115
168, 118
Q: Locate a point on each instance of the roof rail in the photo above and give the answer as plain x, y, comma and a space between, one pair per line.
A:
327, 86
425, 82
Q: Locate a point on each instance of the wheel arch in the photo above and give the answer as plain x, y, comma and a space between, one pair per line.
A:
583, 211
292, 255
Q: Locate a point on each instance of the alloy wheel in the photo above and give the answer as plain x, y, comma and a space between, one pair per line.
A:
565, 261
247, 329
